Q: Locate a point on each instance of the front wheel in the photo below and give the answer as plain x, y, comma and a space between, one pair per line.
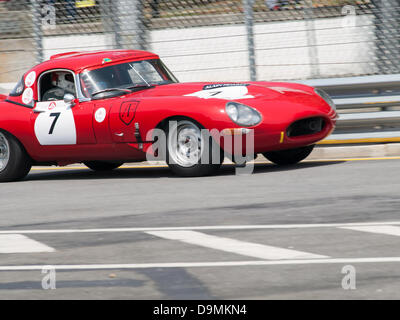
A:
185, 148
102, 165
15, 163
289, 157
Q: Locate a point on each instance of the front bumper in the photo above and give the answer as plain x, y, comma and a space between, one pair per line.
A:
265, 138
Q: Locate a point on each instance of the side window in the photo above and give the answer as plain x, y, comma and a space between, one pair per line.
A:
19, 88
54, 85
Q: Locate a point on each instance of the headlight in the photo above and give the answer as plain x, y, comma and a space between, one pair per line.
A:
326, 97
242, 114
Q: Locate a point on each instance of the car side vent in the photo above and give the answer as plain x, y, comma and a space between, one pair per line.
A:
306, 127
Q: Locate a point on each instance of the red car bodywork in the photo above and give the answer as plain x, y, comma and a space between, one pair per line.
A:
280, 104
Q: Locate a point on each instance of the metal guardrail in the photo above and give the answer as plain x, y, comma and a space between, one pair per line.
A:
369, 108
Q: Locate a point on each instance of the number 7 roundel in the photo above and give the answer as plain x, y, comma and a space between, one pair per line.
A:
55, 124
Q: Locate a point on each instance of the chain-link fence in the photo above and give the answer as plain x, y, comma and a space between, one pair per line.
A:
212, 40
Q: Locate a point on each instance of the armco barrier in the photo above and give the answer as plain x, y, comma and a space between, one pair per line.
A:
369, 108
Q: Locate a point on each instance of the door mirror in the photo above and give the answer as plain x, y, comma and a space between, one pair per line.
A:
69, 100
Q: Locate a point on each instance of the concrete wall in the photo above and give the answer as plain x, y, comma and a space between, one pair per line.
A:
282, 50
16, 57
220, 53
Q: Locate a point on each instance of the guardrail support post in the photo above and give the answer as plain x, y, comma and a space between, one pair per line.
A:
249, 19
108, 19
36, 11
311, 38
131, 29
386, 20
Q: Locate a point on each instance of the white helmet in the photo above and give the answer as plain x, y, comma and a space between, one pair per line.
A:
64, 80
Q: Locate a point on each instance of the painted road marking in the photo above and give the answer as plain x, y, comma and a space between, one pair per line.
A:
220, 227
204, 264
244, 248
18, 243
389, 230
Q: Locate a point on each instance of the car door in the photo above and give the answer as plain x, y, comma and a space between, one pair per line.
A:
122, 121
56, 122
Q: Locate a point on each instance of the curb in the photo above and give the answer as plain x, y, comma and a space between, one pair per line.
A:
357, 151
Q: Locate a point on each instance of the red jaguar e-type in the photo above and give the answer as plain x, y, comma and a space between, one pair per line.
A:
100, 109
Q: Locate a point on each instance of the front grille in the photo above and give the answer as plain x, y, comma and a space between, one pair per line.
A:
306, 126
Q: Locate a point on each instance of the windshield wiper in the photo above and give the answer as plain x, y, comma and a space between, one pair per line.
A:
110, 90
142, 86
140, 76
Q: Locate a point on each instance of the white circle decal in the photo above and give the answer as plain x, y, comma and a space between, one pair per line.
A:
100, 115
27, 96
30, 79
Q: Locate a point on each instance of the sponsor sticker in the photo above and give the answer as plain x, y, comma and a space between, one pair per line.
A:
52, 105
30, 79
223, 85
27, 96
224, 92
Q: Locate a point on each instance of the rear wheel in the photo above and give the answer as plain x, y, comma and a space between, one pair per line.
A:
102, 165
15, 163
185, 147
289, 157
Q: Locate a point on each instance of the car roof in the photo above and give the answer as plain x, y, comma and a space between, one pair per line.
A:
80, 60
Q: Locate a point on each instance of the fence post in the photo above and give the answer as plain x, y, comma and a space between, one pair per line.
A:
387, 43
36, 11
108, 20
311, 38
249, 20
131, 28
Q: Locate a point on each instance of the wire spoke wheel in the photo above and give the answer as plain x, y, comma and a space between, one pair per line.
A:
185, 144
15, 163
4, 152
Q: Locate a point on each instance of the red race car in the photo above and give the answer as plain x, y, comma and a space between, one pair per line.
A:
102, 109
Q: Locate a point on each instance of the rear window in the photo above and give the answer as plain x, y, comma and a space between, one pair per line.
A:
19, 88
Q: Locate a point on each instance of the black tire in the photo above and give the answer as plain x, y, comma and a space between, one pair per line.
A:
18, 163
289, 157
102, 165
197, 169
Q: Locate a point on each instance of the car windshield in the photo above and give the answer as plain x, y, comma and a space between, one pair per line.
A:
106, 82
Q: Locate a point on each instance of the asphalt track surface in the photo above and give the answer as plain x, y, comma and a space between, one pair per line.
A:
143, 233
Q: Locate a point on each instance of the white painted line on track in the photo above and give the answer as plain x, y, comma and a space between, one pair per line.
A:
18, 243
220, 227
388, 230
244, 248
204, 264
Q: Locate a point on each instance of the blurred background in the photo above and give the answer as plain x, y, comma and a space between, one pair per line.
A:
211, 40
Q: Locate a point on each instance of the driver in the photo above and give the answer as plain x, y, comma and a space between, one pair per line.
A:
62, 83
